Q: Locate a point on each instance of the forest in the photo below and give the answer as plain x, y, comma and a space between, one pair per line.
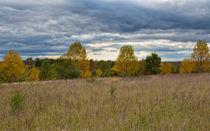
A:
75, 64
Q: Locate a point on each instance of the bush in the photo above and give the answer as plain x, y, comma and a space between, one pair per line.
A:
17, 101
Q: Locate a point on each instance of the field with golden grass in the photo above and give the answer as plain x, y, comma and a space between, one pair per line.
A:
162, 102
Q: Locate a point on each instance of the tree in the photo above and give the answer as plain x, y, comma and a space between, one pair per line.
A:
142, 64
92, 65
46, 71
126, 63
77, 54
65, 70
105, 67
153, 64
186, 66
38, 62
29, 61
206, 66
85, 68
174, 69
161, 67
167, 68
99, 72
200, 55
34, 74
12, 68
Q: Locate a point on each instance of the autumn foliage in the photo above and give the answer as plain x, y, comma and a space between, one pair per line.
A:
77, 54
126, 63
200, 56
167, 68
34, 74
75, 64
206, 66
99, 72
12, 67
186, 66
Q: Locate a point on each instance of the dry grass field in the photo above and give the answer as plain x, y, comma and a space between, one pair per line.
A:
167, 102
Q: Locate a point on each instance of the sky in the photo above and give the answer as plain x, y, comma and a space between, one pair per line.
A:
46, 28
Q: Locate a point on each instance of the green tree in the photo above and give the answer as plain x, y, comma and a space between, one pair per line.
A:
66, 70
105, 67
46, 71
12, 68
200, 55
142, 65
153, 64
38, 62
126, 63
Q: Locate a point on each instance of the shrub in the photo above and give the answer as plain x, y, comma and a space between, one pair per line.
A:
17, 101
112, 93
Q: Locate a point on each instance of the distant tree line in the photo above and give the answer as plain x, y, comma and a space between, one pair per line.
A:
75, 64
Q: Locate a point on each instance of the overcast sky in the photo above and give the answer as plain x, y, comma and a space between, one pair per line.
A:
46, 28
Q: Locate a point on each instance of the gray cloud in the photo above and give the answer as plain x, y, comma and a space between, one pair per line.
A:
47, 28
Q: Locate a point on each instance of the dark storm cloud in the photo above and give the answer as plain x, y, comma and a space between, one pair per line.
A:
125, 17
47, 28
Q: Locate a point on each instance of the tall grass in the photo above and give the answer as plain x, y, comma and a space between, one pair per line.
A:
169, 102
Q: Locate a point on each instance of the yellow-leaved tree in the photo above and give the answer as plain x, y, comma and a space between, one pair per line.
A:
167, 68
12, 67
99, 72
200, 55
186, 66
206, 66
161, 67
126, 63
77, 54
33, 74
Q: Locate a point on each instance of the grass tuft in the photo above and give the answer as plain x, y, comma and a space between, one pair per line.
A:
17, 101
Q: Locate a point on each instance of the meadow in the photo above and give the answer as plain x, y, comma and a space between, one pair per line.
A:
157, 102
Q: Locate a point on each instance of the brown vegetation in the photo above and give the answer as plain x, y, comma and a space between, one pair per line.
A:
167, 102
